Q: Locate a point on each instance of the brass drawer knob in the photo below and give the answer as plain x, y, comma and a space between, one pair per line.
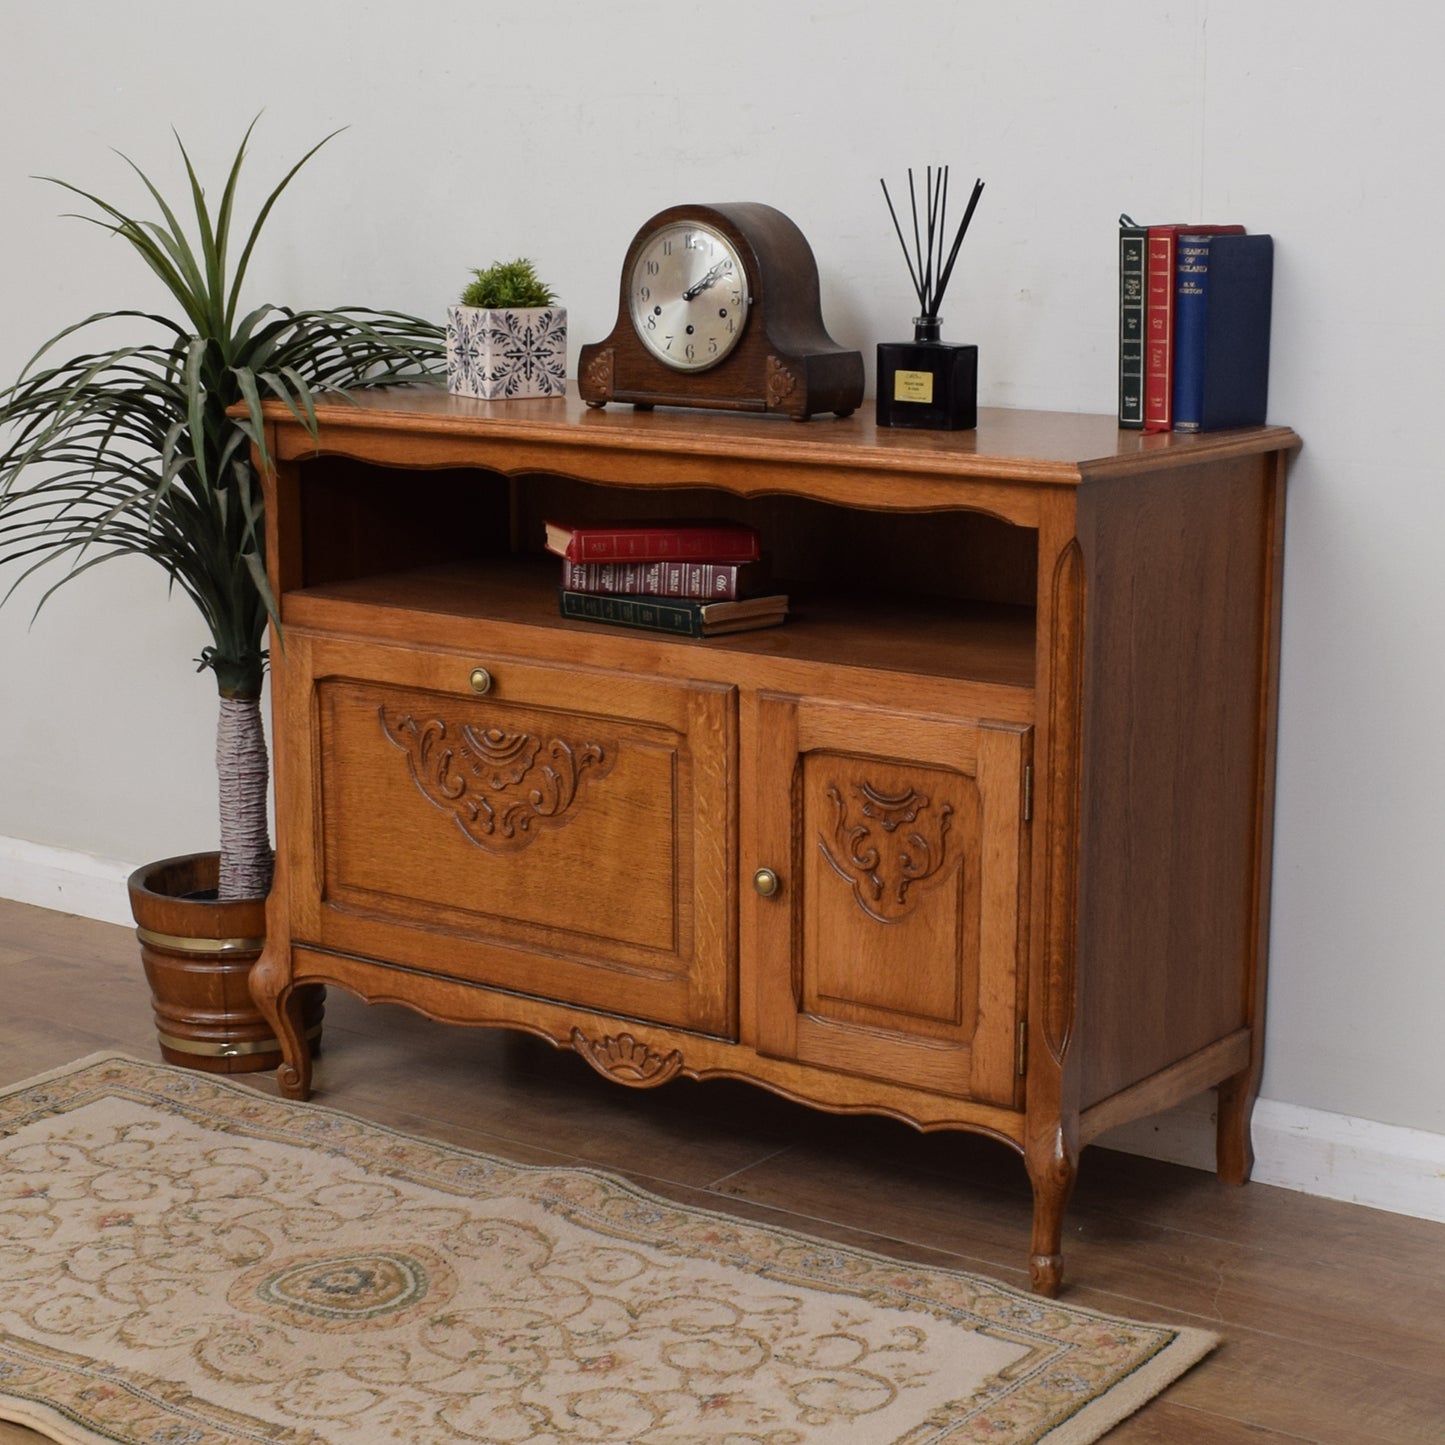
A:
766, 882
481, 680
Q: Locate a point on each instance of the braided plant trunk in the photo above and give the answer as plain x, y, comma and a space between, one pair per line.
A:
243, 768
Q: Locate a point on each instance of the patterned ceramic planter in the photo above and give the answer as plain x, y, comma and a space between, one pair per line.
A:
507, 353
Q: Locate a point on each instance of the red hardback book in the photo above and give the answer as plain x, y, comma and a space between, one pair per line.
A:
704, 581
1159, 319
651, 542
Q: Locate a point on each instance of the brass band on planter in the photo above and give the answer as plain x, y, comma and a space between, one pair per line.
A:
231, 1050
200, 945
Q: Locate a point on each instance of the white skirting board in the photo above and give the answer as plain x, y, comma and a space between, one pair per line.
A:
66, 881
1310, 1150
1331, 1155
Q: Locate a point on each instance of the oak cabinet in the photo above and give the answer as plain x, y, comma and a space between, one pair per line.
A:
979, 839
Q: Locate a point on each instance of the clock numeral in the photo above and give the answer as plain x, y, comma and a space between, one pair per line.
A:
667, 343
651, 267
667, 248
650, 321
712, 346
690, 351
644, 293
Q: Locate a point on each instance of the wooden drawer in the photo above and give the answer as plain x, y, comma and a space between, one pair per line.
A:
569, 834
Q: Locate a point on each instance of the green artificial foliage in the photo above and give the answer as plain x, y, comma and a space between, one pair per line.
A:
129, 449
507, 284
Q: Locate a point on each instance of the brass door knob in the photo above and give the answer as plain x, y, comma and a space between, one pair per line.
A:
481, 680
766, 882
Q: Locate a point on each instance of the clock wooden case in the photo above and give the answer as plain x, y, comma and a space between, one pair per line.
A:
782, 358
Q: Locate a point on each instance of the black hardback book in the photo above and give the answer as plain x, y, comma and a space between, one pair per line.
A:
673, 614
1133, 244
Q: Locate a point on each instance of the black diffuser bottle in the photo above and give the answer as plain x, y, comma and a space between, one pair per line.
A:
928, 382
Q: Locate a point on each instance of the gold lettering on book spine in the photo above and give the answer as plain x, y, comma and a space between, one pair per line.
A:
885, 844
502, 788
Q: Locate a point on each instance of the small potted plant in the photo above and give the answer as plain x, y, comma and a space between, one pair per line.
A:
507, 337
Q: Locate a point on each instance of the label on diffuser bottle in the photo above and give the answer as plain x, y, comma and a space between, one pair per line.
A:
913, 386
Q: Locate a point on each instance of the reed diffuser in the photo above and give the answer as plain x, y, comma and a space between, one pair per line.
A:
928, 382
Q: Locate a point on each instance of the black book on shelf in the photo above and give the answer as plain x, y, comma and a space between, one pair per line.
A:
1133, 246
678, 616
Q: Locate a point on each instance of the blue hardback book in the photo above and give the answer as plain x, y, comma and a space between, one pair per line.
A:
1223, 291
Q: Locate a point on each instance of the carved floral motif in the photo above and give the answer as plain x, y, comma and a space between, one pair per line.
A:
779, 383
626, 1060
598, 375
498, 785
885, 843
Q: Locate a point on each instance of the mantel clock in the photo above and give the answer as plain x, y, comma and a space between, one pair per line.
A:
719, 307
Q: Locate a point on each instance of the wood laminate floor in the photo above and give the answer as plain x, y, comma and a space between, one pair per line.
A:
1333, 1316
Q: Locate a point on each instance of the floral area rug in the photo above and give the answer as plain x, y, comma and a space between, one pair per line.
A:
186, 1262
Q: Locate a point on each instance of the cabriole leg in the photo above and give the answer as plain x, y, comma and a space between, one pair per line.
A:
1053, 1165
282, 1006
1234, 1143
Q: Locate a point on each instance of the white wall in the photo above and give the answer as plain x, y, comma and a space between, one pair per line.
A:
480, 131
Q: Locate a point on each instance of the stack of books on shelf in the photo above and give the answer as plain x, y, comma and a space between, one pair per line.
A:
1194, 314
691, 579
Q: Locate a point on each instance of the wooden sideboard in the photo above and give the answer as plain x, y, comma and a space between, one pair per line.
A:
979, 839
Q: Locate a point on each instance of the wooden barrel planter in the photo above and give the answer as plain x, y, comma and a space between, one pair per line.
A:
198, 952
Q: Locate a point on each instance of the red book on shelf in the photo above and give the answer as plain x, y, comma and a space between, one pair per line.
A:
651, 542
1159, 319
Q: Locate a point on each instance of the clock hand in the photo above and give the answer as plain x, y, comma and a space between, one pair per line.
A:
698, 287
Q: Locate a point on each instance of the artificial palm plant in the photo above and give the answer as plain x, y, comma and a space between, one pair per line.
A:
133, 450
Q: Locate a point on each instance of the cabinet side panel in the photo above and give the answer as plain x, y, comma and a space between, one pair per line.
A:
1173, 698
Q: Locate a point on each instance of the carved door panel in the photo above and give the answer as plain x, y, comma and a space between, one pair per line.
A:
891, 947
569, 834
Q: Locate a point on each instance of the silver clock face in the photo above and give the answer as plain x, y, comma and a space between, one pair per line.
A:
688, 296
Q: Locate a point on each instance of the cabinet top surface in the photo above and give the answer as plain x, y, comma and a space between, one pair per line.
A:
1055, 447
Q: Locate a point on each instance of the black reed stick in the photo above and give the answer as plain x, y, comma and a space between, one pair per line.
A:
931, 275
917, 245
957, 242
912, 276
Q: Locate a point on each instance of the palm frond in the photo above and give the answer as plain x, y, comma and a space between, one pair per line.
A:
235, 294
131, 450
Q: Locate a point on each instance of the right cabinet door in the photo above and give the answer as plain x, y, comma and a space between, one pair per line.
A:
890, 947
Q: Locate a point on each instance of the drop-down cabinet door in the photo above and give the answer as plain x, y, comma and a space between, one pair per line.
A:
565, 833
891, 858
